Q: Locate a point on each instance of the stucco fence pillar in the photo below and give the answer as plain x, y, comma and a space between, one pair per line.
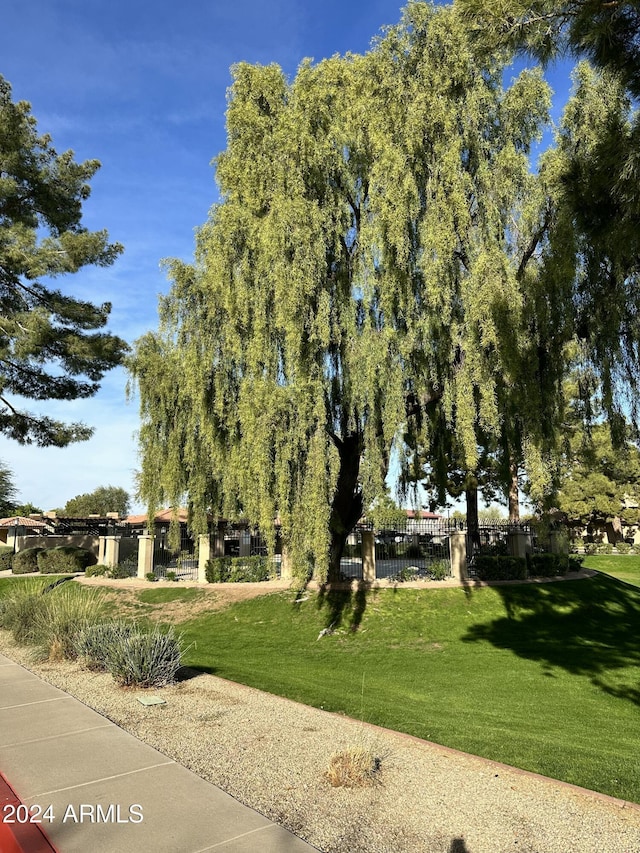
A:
458, 555
109, 550
206, 550
519, 543
368, 556
145, 555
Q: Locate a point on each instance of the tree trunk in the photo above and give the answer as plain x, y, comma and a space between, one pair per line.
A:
346, 509
473, 524
514, 497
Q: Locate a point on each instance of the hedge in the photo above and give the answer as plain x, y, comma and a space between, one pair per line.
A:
26, 561
64, 559
6, 556
547, 565
497, 568
238, 570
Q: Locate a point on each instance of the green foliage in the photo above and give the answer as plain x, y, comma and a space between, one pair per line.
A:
385, 514
144, 659
20, 607
605, 33
238, 570
7, 492
64, 559
547, 565
26, 509
99, 570
597, 478
41, 236
126, 569
172, 576
439, 570
6, 557
65, 611
598, 199
405, 574
150, 576
375, 252
591, 548
25, 561
605, 548
623, 547
102, 500
498, 568
95, 644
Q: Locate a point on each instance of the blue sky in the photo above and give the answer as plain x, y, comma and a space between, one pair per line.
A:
142, 87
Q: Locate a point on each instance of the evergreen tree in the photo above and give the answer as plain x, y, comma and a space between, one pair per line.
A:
49, 346
603, 31
7, 491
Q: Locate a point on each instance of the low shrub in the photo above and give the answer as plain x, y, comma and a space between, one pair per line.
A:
605, 548
150, 576
172, 576
126, 569
6, 556
623, 547
99, 570
64, 559
95, 644
353, 767
439, 570
635, 549
497, 568
238, 570
145, 659
20, 606
26, 561
66, 611
575, 562
590, 548
405, 574
547, 565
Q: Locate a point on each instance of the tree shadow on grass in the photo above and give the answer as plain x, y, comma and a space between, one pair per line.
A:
586, 627
344, 604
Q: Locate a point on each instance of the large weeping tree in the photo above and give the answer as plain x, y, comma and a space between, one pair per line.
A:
376, 251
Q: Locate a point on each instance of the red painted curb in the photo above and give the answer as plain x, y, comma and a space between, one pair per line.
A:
19, 837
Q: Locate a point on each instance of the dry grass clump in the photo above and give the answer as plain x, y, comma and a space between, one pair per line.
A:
353, 767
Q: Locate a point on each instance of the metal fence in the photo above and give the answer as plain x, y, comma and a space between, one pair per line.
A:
419, 547
494, 540
181, 562
416, 548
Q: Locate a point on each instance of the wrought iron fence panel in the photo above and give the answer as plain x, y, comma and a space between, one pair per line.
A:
415, 548
351, 560
493, 540
180, 561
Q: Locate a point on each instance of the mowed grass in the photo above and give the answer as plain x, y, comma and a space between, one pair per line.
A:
626, 568
544, 677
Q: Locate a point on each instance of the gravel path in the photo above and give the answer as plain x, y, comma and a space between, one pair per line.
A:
272, 754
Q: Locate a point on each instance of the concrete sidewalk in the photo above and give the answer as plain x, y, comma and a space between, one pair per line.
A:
97, 788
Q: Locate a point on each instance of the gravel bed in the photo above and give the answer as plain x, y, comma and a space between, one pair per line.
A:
272, 754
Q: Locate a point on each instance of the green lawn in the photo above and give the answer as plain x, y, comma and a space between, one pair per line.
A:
544, 676
626, 568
